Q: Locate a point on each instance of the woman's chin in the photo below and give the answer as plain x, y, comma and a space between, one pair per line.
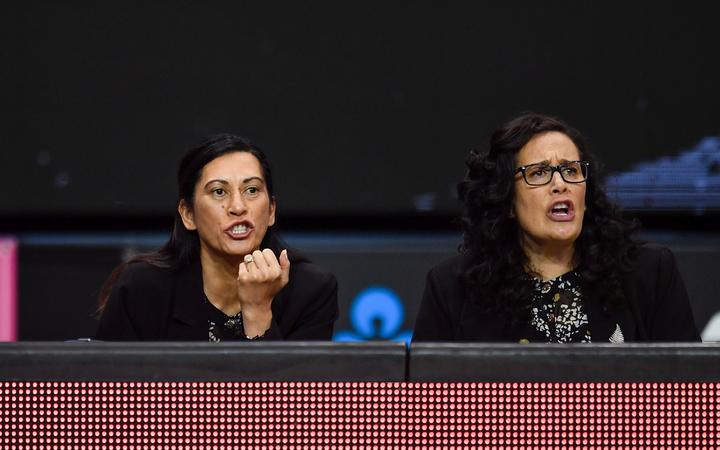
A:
235, 251
568, 236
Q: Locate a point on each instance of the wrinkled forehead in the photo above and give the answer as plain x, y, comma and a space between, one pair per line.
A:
552, 147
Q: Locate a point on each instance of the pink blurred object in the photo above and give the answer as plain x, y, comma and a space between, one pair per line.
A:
8, 289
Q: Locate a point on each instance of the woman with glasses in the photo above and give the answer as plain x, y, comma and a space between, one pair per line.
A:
545, 256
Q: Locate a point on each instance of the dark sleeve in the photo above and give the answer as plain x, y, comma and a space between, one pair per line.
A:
672, 319
433, 322
273, 333
319, 312
115, 323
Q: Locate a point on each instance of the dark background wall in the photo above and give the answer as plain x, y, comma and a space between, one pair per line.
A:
367, 110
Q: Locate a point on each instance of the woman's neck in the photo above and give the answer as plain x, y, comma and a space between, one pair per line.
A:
549, 261
220, 282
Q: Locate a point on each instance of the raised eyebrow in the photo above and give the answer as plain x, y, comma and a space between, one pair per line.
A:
547, 163
226, 182
249, 179
223, 182
565, 161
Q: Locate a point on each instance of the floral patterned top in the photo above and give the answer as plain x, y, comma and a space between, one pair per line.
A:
557, 309
223, 327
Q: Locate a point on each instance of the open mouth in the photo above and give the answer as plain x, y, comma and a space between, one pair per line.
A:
239, 230
562, 211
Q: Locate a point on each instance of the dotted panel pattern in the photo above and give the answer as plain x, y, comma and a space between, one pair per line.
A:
204, 415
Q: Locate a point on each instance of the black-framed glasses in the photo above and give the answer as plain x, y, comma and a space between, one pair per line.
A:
540, 174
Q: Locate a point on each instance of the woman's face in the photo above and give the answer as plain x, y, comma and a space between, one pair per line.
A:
232, 209
551, 214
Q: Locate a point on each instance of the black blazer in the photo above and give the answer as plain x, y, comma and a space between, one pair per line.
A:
152, 304
657, 307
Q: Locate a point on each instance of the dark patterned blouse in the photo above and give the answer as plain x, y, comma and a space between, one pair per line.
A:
557, 309
223, 327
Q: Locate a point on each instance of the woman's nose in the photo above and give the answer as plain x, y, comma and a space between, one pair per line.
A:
558, 183
237, 205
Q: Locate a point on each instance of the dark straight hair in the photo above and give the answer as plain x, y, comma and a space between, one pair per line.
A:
183, 246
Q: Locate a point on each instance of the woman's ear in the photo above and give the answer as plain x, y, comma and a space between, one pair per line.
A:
273, 205
187, 216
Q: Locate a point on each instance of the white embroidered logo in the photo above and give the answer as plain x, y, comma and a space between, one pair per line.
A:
617, 336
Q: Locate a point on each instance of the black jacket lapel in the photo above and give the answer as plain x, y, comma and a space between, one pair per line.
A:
189, 312
616, 323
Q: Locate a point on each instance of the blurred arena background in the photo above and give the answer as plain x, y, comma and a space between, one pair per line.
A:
366, 110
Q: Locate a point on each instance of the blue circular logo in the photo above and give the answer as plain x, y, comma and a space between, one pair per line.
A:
377, 313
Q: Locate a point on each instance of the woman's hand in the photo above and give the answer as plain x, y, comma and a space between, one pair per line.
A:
258, 281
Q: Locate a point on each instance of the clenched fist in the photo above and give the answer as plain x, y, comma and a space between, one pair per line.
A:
259, 279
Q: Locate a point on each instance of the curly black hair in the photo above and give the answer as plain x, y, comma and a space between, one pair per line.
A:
496, 276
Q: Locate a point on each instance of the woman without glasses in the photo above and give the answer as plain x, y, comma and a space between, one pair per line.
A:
223, 275
545, 256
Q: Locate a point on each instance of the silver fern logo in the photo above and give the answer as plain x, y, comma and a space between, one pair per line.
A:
617, 336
